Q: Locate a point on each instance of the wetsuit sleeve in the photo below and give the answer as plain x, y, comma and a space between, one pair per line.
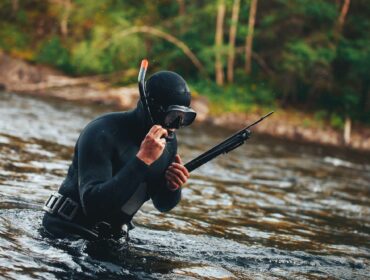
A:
163, 198
101, 193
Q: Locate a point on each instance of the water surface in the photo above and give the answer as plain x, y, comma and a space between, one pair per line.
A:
271, 209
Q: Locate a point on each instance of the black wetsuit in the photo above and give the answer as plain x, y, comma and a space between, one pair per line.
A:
106, 178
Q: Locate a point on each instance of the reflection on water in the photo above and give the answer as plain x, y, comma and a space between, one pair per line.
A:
269, 209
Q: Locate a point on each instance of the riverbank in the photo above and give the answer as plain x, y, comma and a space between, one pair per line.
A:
23, 78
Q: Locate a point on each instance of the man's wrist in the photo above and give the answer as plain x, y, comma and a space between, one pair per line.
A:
144, 159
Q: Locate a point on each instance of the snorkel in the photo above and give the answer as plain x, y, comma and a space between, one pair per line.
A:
143, 97
141, 83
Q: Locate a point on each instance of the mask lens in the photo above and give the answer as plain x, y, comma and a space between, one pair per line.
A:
178, 116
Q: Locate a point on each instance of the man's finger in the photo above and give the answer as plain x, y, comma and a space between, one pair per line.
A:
178, 159
153, 129
173, 185
161, 132
174, 177
163, 141
177, 173
181, 167
174, 182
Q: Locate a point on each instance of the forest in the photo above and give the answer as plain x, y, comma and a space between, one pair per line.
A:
313, 56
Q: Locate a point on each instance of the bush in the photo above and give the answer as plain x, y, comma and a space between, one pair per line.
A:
336, 121
53, 53
106, 52
235, 98
11, 37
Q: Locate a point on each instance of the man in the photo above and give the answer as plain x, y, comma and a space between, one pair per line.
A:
122, 160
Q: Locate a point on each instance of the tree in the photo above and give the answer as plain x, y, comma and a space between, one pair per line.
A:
182, 7
219, 42
15, 6
337, 34
232, 37
66, 10
342, 17
249, 39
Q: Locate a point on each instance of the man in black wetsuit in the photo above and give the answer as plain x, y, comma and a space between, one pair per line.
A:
120, 161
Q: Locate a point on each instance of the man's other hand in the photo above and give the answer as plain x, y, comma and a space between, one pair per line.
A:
153, 145
176, 174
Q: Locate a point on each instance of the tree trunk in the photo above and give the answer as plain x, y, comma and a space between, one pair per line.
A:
219, 42
182, 11
66, 6
347, 131
65, 17
182, 7
232, 38
249, 39
15, 6
342, 16
337, 33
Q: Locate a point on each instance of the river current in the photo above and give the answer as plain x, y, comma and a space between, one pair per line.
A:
270, 209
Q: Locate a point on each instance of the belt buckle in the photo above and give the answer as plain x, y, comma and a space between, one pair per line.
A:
63, 210
52, 203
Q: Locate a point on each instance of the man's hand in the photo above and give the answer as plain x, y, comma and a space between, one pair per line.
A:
176, 174
153, 145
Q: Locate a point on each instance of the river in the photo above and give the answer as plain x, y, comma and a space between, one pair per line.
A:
271, 209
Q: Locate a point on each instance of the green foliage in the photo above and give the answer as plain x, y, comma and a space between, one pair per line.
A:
105, 52
11, 37
320, 115
320, 11
236, 98
336, 121
53, 53
300, 57
307, 122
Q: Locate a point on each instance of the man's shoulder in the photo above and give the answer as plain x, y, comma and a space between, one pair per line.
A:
106, 124
109, 120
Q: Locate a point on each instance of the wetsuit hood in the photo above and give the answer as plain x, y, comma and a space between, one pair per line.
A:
168, 88
169, 99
